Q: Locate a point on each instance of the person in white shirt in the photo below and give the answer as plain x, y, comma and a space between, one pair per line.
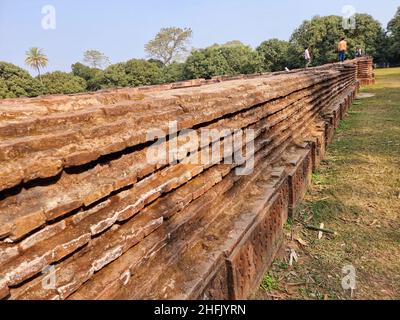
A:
307, 56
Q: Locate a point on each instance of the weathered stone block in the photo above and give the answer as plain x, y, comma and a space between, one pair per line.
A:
256, 251
300, 173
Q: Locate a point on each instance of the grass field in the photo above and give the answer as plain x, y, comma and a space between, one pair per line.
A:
357, 194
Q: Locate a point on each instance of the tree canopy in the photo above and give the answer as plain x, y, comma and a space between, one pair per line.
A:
95, 59
16, 82
135, 72
322, 35
36, 59
172, 72
369, 36
394, 38
94, 77
169, 44
63, 83
274, 54
229, 59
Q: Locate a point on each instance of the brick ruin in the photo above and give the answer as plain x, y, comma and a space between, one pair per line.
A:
83, 215
365, 71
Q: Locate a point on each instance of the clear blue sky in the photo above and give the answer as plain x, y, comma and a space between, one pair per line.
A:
120, 28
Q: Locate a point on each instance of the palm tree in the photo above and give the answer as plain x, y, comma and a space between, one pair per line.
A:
36, 59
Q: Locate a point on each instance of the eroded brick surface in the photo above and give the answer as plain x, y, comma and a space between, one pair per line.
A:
84, 215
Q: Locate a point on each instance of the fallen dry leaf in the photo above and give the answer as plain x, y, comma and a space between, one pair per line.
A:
320, 233
301, 241
293, 257
297, 284
277, 296
373, 223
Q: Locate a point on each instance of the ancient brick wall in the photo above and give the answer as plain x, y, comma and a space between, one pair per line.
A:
84, 214
365, 71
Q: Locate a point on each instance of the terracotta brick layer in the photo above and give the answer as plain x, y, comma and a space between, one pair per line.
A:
84, 214
365, 71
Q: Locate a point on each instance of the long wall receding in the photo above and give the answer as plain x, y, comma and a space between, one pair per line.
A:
92, 208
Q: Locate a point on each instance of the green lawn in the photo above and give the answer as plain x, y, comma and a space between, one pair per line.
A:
357, 194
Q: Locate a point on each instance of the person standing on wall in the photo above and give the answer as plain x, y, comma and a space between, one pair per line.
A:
359, 53
342, 49
307, 56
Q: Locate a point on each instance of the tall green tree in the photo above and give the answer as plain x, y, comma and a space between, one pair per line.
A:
322, 35
36, 59
274, 54
169, 44
95, 59
135, 72
206, 63
172, 72
394, 38
4, 93
141, 72
94, 77
115, 76
232, 58
63, 83
16, 82
368, 35
242, 59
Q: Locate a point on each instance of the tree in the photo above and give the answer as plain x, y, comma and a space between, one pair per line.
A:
159, 63
295, 56
3, 89
169, 44
242, 59
63, 83
36, 59
368, 35
322, 35
232, 58
274, 54
172, 72
135, 72
141, 72
16, 82
94, 77
205, 63
394, 38
95, 59
115, 76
